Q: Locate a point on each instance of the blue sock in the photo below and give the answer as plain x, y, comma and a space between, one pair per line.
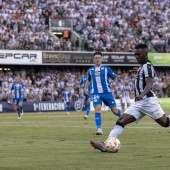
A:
66, 109
87, 109
119, 112
98, 120
21, 108
19, 112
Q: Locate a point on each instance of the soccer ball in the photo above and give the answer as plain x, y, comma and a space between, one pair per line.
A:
112, 145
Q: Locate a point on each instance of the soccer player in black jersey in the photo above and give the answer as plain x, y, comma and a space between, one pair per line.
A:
146, 102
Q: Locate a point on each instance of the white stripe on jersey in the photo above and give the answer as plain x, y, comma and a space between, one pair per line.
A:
105, 77
67, 96
146, 70
136, 90
126, 91
98, 81
141, 82
92, 85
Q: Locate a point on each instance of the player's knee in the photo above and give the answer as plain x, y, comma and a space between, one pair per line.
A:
167, 123
164, 122
98, 109
120, 124
114, 110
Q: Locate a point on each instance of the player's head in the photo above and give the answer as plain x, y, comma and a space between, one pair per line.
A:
126, 82
17, 79
66, 88
141, 53
98, 58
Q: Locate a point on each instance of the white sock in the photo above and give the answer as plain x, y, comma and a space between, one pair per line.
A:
116, 132
169, 119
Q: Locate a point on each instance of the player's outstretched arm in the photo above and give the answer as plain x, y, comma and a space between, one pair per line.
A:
9, 93
86, 87
148, 87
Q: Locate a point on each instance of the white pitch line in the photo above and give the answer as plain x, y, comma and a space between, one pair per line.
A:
89, 127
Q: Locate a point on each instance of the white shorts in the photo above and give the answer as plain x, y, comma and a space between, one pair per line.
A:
148, 106
125, 99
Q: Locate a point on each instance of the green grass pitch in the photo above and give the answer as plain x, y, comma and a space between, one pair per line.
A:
54, 141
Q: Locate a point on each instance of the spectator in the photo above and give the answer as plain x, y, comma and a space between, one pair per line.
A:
164, 88
23, 24
47, 83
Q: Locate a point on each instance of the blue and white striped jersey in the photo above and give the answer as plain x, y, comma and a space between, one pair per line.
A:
17, 88
83, 83
99, 77
66, 95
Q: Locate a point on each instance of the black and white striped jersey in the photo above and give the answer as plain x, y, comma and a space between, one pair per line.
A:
145, 70
126, 91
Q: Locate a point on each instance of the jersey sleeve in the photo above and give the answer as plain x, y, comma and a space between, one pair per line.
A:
12, 88
81, 81
111, 74
90, 88
89, 75
148, 70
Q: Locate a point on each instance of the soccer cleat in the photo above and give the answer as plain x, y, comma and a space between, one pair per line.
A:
99, 132
67, 113
19, 117
98, 145
22, 113
85, 117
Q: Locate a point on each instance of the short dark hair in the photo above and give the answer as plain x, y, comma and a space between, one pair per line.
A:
98, 53
142, 46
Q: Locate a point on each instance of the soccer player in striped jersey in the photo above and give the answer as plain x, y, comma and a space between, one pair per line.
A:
17, 88
98, 77
146, 102
87, 99
125, 94
67, 97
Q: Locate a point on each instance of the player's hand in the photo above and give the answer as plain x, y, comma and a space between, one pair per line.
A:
113, 85
86, 92
134, 70
139, 97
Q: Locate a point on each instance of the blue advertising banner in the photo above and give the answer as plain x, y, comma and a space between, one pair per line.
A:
44, 106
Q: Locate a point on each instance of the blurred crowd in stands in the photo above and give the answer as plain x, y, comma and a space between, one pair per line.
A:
106, 25
47, 83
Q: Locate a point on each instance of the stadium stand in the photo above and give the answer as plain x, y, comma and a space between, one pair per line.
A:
47, 83
108, 25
